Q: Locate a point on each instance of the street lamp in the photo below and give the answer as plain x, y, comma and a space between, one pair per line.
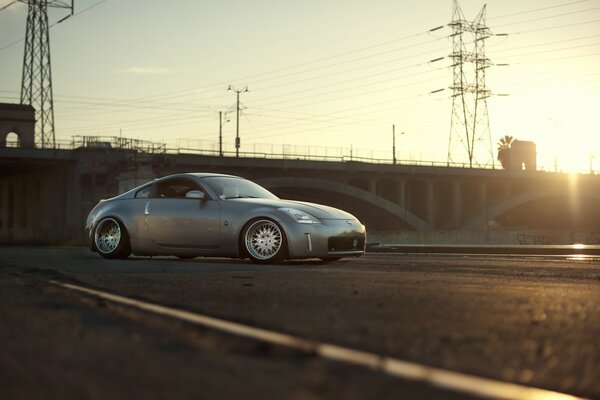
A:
237, 126
394, 143
221, 123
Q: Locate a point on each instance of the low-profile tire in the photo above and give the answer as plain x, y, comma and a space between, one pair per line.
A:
111, 239
264, 241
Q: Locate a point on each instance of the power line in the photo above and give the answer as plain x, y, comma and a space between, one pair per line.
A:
124, 103
120, 102
540, 9
368, 84
320, 72
555, 27
549, 43
561, 58
549, 17
249, 78
51, 25
551, 50
341, 72
287, 68
8, 5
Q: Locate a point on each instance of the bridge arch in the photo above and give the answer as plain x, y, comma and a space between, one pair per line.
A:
496, 210
336, 187
11, 138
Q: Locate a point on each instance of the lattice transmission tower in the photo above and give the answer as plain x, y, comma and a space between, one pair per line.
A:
470, 136
36, 84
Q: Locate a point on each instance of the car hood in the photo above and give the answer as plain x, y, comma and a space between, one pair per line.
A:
316, 210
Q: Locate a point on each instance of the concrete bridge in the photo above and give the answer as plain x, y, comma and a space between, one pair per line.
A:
45, 194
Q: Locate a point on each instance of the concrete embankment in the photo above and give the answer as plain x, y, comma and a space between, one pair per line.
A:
497, 237
541, 250
487, 242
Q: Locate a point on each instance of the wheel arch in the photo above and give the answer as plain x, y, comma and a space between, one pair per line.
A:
117, 210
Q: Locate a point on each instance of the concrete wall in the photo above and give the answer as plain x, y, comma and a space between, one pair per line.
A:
38, 207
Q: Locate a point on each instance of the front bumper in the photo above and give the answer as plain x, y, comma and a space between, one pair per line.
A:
330, 239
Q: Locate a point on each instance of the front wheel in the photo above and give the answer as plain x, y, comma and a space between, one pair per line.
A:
264, 241
111, 239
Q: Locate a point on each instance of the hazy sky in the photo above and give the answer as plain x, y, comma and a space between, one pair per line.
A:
334, 73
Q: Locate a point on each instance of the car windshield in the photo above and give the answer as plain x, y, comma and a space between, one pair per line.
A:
237, 188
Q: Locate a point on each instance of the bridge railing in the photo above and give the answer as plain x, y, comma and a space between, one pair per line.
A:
318, 157
263, 151
116, 142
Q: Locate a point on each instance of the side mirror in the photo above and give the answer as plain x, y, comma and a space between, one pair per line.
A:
195, 194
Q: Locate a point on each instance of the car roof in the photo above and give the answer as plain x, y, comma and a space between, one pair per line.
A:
131, 192
196, 175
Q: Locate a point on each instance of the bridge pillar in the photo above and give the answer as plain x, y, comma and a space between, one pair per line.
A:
482, 206
429, 196
372, 186
6, 209
402, 193
456, 205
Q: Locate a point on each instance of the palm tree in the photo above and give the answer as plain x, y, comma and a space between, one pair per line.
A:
503, 150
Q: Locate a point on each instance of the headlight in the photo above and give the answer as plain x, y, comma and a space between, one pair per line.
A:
300, 216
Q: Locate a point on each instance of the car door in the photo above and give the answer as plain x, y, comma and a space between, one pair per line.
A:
176, 221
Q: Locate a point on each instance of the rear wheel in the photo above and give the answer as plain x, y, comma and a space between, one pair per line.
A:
264, 241
111, 239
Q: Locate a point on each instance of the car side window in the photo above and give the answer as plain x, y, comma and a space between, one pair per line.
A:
176, 188
143, 193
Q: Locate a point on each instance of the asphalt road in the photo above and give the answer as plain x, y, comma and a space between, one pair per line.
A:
533, 321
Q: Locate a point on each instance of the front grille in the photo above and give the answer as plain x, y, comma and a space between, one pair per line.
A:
346, 243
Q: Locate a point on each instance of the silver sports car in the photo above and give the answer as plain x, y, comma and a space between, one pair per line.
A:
201, 214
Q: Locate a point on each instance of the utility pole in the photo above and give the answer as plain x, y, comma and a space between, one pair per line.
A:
394, 143
237, 125
395, 160
36, 84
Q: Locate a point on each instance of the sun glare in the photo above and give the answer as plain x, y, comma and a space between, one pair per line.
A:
559, 120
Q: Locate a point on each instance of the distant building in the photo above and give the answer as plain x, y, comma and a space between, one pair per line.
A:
522, 155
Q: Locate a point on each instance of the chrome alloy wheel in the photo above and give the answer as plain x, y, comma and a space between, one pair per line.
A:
107, 236
263, 239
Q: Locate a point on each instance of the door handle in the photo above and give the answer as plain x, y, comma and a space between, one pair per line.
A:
147, 209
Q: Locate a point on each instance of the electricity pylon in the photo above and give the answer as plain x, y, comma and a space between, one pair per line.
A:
36, 84
470, 127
